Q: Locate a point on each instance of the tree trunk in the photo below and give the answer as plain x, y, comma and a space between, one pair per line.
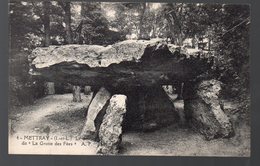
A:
179, 90
141, 24
193, 42
76, 93
209, 43
46, 22
77, 32
175, 25
67, 19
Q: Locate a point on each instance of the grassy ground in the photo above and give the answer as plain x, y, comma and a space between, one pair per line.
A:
58, 115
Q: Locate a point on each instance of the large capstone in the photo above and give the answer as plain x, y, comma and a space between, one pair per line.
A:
204, 110
92, 55
131, 63
110, 131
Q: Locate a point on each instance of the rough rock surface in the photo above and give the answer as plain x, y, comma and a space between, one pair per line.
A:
89, 130
110, 131
92, 55
130, 62
204, 109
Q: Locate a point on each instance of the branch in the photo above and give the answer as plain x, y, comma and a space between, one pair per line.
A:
61, 3
247, 19
40, 31
170, 11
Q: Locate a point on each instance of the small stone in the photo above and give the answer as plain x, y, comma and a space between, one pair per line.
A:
76, 94
87, 90
49, 88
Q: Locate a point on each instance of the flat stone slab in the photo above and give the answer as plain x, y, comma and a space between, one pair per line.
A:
92, 55
127, 63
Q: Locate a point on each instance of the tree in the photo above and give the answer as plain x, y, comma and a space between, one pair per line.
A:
46, 22
66, 6
24, 27
141, 34
224, 27
96, 28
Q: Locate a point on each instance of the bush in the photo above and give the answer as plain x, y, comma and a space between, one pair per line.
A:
23, 88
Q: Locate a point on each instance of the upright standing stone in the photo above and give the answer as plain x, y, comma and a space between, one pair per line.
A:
204, 110
87, 90
159, 110
76, 93
49, 88
149, 108
110, 131
89, 130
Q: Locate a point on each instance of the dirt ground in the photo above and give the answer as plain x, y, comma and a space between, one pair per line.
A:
58, 115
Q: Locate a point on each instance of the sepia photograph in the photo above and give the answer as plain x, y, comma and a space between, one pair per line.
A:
129, 78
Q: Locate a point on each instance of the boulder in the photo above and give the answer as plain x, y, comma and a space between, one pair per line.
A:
110, 132
204, 110
92, 55
130, 62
